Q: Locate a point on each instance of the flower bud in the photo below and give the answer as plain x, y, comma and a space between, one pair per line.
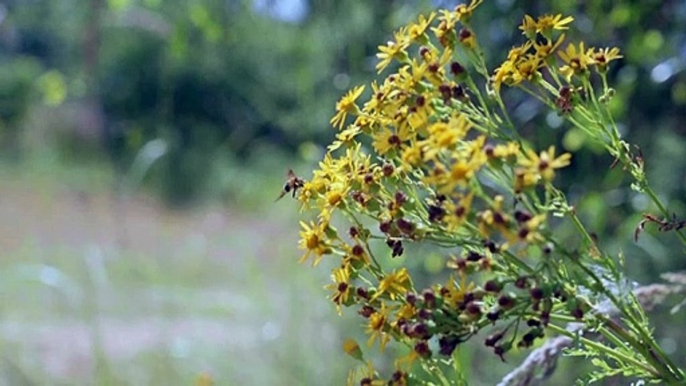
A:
351, 348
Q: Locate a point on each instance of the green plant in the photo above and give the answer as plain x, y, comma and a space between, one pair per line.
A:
433, 158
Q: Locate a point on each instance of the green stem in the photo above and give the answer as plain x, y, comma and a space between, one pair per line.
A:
606, 350
580, 227
653, 352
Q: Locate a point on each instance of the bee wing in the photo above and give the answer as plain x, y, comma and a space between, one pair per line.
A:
290, 175
283, 193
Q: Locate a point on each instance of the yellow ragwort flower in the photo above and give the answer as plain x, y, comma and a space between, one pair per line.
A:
527, 69
547, 23
394, 50
445, 31
351, 348
395, 284
577, 59
529, 231
603, 56
341, 286
453, 295
546, 49
376, 327
529, 27
313, 241
417, 31
545, 163
384, 140
457, 211
464, 12
345, 137
503, 75
544, 25
346, 106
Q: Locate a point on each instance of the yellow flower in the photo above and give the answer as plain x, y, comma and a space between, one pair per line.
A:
393, 50
524, 179
411, 156
406, 312
529, 27
384, 140
495, 218
355, 255
445, 31
457, 212
341, 286
444, 136
351, 348
204, 379
545, 163
528, 232
461, 171
605, 55
365, 378
452, 295
376, 326
467, 38
518, 52
544, 50
464, 12
346, 106
577, 61
313, 241
436, 67
503, 75
418, 115
395, 283
345, 137
336, 193
506, 150
547, 23
378, 99
527, 69
416, 31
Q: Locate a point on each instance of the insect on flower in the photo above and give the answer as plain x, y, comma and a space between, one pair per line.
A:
293, 183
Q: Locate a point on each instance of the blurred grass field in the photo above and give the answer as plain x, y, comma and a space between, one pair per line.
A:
100, 289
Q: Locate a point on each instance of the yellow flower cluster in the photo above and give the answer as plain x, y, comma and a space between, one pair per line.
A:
525, 62
430, 157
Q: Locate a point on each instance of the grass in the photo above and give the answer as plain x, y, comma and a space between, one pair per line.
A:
96, 290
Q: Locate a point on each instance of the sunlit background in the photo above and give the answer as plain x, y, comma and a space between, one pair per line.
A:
143, 142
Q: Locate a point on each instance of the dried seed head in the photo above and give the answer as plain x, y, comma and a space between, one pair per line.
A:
447, 345
388, 169
505, 302
536, 293
366, 311
456, 69
493, 286
422, 348
429, 298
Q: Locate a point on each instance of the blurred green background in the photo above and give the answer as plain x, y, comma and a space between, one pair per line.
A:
143, 142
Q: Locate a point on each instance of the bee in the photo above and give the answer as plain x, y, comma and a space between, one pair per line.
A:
293, 183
